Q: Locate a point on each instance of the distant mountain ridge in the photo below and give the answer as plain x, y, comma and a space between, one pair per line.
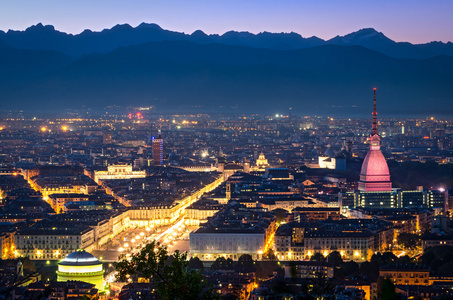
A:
40, 37
42, 69
181, 75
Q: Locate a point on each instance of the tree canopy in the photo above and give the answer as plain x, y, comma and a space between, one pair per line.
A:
430, 174
439, 258
409, 240
245, 263
334, 258
171, 275
318, 257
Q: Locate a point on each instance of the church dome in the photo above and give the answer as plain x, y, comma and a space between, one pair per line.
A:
329, 152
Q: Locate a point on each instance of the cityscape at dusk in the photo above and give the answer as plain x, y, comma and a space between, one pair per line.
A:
226, 150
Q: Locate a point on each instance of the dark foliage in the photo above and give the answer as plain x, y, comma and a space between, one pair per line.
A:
170, 274
350, 268
280, 214
318, 257
334, 258
409, 240
245, 264
196, 263
430, 175
439, 259
221, 263
386, 290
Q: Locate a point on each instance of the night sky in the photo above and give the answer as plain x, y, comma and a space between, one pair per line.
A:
416, 21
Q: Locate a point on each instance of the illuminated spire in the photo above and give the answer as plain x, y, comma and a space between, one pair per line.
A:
374, 128
374, 175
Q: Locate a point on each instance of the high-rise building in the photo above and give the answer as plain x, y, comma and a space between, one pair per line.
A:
158, 150
375, 175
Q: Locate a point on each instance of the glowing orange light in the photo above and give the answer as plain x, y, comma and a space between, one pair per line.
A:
374, 89
64, 128
43, 129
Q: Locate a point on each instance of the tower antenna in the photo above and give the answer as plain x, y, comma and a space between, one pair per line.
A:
374, 128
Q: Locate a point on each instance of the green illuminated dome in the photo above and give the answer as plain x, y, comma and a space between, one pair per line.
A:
81, 266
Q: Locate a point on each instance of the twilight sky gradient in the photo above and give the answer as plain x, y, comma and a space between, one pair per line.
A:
416, 21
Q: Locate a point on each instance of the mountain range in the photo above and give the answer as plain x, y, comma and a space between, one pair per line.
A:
44, 69
40, 37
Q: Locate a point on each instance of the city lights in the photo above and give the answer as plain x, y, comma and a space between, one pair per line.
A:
140, 162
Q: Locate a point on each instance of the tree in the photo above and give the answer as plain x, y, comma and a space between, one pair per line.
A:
318, 257
322, 287
350, 268
229, 264
266, 268
409, 240
446, 268
387, 290
245, 263
219, 264
389, 257
280, 215
334, 258
195, 263
369, 269
404, 260
383, 259
222, 264
427, 258
292, 270
170, 274
270, 255
438, 258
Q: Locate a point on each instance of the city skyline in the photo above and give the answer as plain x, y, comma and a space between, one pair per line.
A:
411, 21
150, 160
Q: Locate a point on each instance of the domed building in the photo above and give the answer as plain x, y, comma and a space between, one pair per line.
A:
81, 266
261, 163
375, 175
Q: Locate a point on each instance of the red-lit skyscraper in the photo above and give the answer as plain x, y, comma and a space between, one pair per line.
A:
158, 150
375, 175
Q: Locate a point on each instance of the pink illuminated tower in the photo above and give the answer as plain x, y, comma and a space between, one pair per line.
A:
375, 175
